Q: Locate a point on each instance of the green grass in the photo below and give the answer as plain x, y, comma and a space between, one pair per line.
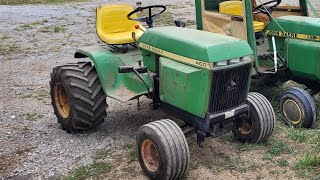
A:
309, 161
283, 162
6, 49
32, 116
92, 171
131, 153
16, 2
248, 146
296, 134
103, 154
58, 29
278, 147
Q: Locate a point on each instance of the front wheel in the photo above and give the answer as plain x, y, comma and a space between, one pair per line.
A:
259, 126
298, 108
163, 150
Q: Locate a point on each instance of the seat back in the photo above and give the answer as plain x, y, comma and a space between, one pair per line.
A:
113, 19
231, 7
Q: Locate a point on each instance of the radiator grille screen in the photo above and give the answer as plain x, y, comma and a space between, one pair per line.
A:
229, 88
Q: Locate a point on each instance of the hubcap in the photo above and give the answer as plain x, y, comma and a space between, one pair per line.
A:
246, 127
150, 155
292, 111
61, 100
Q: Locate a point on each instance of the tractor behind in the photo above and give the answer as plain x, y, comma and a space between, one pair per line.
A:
291, 50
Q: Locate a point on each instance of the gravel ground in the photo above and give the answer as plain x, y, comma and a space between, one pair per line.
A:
37, 38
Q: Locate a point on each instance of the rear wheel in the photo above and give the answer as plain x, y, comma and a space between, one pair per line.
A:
77, 97
298, 108
259, 126
162, 149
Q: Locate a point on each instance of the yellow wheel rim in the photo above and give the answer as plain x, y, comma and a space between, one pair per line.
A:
292, 111
62, 101
150, 155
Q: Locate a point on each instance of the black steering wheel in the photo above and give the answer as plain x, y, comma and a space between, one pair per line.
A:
266, 10
147, 19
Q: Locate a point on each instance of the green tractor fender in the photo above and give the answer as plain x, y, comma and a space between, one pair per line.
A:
122, 87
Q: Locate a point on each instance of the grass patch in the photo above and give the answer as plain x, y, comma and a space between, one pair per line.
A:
237, 164
283, 162
89, 172
8, 49
227, 138
296, 134
279, 147
58, 29
32, 116
248, 146
27, 26
103, 154
16, 2
131, 153
309, 161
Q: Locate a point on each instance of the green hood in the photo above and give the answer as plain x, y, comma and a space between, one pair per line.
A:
195, 44
296, 24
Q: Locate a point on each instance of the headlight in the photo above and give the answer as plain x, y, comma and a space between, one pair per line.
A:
221, 63
233, 61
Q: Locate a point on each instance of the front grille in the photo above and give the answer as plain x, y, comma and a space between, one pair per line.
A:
229, 88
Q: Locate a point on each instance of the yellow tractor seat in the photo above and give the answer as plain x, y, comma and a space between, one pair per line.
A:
113, 26
236, 8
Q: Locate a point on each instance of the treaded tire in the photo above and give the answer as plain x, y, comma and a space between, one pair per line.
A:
86, 101
261, 121
171, 160
298, 108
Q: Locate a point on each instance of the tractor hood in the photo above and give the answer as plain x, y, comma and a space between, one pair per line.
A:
295, 25
193, 44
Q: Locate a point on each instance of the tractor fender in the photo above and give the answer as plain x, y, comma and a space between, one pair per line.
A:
106, 65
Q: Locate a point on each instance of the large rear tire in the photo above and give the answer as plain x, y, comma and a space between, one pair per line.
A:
260, 124
163, 151
77, 97
298, 108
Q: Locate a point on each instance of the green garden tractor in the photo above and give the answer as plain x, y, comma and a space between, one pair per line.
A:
292, 51
201, 78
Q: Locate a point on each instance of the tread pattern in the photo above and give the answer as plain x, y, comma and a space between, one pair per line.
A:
266, 115
262, 125
175, 143
88, 101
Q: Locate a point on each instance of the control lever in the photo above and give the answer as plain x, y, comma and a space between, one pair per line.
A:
129, 69
136, 71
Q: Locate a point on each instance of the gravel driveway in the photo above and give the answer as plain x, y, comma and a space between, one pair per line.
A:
34, 39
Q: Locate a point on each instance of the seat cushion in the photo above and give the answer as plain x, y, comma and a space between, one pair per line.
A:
231, 7
113, 26
258, 26
236, 8
120, 37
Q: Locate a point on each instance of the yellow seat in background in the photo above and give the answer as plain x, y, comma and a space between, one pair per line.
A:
113, 26
236, 8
